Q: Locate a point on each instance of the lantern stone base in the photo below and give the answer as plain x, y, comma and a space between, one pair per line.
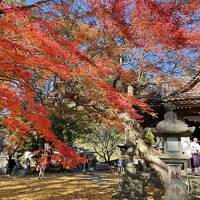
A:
130, 188
176, 158
176, 191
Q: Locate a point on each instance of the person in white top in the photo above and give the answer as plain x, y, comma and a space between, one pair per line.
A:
195, 148
186, 146
28, 155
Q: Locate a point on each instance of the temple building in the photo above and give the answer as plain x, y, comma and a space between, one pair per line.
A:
187, 103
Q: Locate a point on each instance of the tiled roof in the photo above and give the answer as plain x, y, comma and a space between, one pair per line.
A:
186, 95
189, 94
190, 86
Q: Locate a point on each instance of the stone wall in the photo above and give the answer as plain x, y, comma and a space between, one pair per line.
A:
130, 187
194, 186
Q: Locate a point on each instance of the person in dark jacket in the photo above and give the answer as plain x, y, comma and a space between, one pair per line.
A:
11, 165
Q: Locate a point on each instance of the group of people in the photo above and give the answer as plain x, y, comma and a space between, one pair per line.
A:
14, 165
42, 157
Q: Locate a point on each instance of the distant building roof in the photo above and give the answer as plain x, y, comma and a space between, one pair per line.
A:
188, 95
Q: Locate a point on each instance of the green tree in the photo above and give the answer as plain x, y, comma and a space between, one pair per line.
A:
104, 142
70, 128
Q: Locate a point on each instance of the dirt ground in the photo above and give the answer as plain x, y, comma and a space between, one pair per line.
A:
62, 186
99, 186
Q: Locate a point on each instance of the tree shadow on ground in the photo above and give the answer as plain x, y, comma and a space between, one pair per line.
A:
73, 187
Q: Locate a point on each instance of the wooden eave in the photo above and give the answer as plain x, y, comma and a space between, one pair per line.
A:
186, 97
194, 81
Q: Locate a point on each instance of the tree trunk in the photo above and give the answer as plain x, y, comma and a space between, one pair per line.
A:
148, 153
135, 134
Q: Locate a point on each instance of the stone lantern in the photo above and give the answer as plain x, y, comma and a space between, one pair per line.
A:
131, 153
130, 184
123, 148
172, 129
127, 151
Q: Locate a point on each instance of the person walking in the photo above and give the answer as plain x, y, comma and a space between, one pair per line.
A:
195, 148
11, 165
44, 160
42, 164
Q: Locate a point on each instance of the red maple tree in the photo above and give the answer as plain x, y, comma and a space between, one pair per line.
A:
31, 44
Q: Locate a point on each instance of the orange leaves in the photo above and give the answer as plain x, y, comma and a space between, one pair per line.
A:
122, 102
16, 125
164, 22
29, 48
147, 23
